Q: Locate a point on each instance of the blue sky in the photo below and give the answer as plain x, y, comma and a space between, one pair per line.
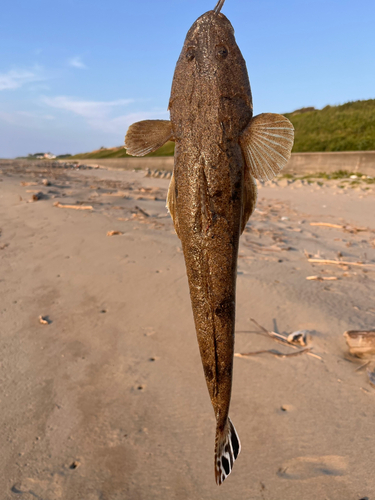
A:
75, 74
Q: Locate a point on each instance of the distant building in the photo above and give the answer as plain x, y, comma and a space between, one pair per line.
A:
40, 156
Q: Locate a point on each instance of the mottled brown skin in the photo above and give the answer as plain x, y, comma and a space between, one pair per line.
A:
210, 106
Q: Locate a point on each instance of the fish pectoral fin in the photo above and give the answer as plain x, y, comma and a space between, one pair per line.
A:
147, 136
267, 145
250, 196
227, 449
171, 204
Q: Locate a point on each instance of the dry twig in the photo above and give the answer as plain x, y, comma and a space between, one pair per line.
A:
43, 320
114, 233
321, 278
273, 352
339, 262
74, 207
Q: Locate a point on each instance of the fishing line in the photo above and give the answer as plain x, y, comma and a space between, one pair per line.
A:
219, 6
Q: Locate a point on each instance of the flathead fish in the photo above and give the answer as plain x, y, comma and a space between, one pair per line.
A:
220, 149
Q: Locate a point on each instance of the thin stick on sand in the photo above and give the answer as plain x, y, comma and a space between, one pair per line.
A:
339, 262
321, 278
273, 352
339, 226
73, 207
282, 340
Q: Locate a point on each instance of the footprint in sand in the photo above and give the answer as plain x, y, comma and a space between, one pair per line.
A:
52, 489
42, 490
308, 467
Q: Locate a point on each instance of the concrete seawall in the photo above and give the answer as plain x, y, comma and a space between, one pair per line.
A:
300, 163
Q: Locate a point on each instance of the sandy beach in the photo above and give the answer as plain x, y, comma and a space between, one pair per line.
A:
104, 397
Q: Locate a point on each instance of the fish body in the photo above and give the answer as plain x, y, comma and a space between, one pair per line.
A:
219, 150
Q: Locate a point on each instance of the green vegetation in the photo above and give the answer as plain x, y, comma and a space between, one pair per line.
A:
346, 178
120, 152
349, 127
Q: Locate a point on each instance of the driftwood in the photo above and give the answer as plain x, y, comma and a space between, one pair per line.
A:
339, 262
273, 352
73, 207
360, 342
321, 278
292, 339
346, 227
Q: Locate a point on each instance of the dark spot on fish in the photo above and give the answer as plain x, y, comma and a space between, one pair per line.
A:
190, 54
224, 308
225, 463
221, 52
208, 373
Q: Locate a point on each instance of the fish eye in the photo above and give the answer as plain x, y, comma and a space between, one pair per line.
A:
221, 52
190, 54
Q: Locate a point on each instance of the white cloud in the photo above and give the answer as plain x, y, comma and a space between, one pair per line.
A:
91, 110
101, 115
76, 62
15, 79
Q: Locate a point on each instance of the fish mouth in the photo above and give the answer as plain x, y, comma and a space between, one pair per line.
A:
219, 6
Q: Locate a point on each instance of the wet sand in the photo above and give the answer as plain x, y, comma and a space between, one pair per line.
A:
108, 401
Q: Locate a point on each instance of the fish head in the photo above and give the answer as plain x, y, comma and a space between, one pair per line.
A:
210, 72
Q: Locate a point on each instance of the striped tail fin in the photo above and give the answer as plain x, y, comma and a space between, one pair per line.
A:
227, 449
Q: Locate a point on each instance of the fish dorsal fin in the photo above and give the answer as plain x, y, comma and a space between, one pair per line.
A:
250, 196
147, 136
171, 204
267, 145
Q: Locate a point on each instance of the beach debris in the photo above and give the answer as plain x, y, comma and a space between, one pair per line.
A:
74, 465
74, 207
299, 337
37, 196
274, 352
371, 376
29, 183
44, 320
345, 227
339, 262
119, 194
360, 342
322, 278
46, 182
114, 233
290, 340
141, 211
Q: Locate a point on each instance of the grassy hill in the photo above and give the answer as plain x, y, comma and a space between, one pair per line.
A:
348, 127
120, 152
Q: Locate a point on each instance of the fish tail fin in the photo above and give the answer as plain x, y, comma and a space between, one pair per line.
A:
227, 449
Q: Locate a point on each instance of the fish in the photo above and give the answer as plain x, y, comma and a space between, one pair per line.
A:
220, 151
